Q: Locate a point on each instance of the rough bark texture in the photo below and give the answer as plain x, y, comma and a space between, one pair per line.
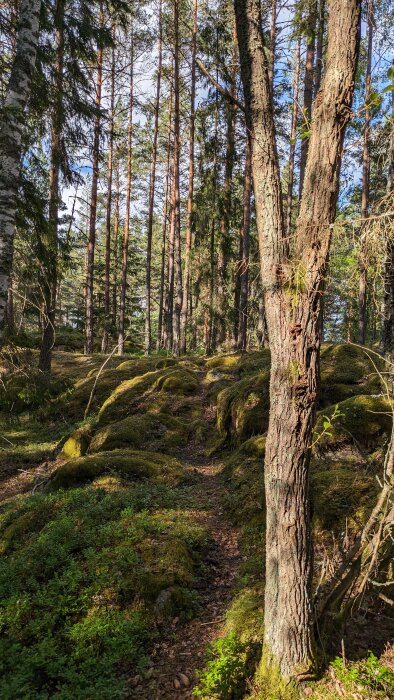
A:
152, 190
125, 257
108, 216
188, 242
12, 125
50, 247
319, 46
293, 289
89, 303
363, 262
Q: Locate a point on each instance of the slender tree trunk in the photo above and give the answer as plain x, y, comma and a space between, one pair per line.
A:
311, 10
148, 331
10, 315
209, 334
89, 302
388, 272
50, 243
12, 125
116, 236
123, 284
167, 189
245, 230
108, 216
225, 212
188, 242
363, 262
176, 197
319, 46
293, 319
271, 64
293, 137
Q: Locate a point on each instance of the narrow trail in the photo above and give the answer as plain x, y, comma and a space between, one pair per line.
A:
180, 652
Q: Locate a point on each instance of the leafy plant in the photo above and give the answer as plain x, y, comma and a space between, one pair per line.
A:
225, 673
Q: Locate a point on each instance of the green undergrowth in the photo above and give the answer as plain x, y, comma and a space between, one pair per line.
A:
87, 576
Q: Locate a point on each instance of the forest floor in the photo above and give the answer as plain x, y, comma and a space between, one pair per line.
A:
143, 526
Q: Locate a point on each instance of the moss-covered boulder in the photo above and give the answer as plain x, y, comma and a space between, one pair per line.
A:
161, 430
77, 444
131, 464
242, 409
364, 419
348, 371
135, 394
343, 494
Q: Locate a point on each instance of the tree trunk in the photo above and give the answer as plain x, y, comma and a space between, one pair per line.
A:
107, 293
89, 308
319, 46
188, 242
123, 284
363, 262
388, 273
293, 138
176, 194
293, 288
148, 331
50, 247
12, 125
116, 236
311, 10
271, 64
245, 230
225, 212
167, 188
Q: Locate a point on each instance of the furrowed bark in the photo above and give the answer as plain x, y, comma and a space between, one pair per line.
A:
245, 241
11, 132
293, 289
308, 85
148, 331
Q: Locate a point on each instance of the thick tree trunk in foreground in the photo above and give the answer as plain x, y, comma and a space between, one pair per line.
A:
152, 183
107, 293
123, 284
50, 247
293, 288
89, 310
12, 125
188, 242
363, 262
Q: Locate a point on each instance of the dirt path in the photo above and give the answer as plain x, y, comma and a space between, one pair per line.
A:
181, 650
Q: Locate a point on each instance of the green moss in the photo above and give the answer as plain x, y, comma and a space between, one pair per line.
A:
343, 494
365, 419
130, 464
161, 430
178, 381
242, 409
346, 371
223, 362
77, 444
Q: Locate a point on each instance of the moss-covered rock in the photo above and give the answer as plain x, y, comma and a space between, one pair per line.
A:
162, 430
131, 396
131, 464
365, 419
242, 409
77, 444
348, 371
